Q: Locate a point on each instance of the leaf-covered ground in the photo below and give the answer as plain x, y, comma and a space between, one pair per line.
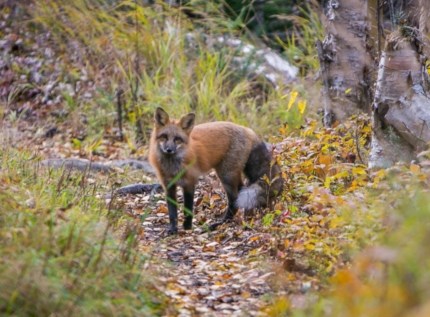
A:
283, 260
246, 265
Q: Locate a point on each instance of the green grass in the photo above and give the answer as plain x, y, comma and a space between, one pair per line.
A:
62, 251
159, 57
299, 46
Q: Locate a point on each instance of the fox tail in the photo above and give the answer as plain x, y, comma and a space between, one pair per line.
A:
261, 191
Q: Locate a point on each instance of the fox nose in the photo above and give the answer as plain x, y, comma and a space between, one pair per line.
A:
170, 150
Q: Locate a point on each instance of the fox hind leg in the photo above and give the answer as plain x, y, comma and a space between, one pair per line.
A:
232, 184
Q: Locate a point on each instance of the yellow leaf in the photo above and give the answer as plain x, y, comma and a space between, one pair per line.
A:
302, 106
132, 116
283, 130
342, 174
416, 169
254, 238
246, 294
325, 159
343, 277
280, 307
339, 201
329, 267
298, 247
380, 175
335, 222
327, 182
358, 170
292, 100
310, 246
76, 143
348, 91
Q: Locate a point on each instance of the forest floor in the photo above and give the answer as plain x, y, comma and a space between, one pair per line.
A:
283, 256
228, 272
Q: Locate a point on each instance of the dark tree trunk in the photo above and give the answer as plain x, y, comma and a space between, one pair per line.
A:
346, 59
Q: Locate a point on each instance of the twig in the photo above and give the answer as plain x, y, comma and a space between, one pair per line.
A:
139, 130
119, 107
136, 57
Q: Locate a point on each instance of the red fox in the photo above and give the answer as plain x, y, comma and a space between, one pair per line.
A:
180, 152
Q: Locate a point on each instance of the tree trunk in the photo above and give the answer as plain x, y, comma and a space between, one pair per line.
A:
401, 108
346, 59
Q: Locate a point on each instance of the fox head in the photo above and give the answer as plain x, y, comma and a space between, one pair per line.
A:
172, 136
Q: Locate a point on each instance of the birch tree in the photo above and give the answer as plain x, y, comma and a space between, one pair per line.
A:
401, 107
375, 58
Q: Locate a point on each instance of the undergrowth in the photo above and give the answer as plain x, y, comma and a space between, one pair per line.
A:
362, 233
324, 179
158, 57
61, 251
390, 277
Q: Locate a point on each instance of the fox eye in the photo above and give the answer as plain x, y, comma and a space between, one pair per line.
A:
178, 140
162, 137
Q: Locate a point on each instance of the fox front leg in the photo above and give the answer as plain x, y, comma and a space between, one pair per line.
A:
172, 206
188, 207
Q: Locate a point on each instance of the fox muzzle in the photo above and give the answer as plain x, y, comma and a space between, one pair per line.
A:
168, 148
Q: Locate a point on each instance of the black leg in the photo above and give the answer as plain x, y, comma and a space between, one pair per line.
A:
188, 207
232, 186
231, 209
172, 206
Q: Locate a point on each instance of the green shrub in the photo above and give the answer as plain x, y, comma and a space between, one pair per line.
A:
59, 253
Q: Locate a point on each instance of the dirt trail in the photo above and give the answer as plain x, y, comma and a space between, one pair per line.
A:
217, 273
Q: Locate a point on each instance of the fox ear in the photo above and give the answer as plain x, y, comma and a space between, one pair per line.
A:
187, 122
161, 117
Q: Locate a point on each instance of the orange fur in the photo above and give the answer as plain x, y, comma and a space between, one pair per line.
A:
207, 146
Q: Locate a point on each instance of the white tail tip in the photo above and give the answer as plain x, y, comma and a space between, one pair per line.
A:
248, 197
